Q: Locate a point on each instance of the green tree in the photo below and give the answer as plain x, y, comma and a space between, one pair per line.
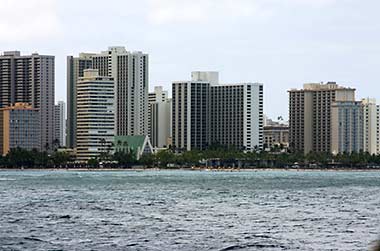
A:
60, 158
93, 162
165, 157
18, 157
125, 158
148, 160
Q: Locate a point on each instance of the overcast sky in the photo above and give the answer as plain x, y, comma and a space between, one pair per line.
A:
281, 43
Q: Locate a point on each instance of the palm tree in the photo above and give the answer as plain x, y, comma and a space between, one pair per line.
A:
56, 144
103, 148
125, 146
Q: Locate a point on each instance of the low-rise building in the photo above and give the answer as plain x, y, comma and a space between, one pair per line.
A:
276, 136
138, 145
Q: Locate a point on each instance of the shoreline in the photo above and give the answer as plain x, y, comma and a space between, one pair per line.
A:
194, 169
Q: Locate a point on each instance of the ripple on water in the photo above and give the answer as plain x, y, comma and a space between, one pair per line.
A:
176, 210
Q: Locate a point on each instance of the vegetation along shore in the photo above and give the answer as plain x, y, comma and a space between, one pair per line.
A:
212, 159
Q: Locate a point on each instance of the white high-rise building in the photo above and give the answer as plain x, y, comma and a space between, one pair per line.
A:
60, 123
207, 114
96, 115
191, 118
237, 117
130, 71
371, 120
159, 121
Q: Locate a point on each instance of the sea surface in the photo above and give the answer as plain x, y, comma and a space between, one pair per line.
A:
189, 210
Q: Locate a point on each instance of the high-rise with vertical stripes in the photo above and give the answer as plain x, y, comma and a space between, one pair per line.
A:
205, 113
130, 72
310, 115
75, 68
30, 79
131, 76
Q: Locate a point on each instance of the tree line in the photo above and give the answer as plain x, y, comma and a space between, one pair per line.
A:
214, 157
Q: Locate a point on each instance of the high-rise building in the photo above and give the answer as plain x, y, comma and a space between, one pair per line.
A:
19, 128
346, 127
371, 120
207, 114
158, 95
310, 115
161, 127
237, 117
159, 119
210, 76
130, 73
30, 79
96, 115
75, 68
191, 115
60, 124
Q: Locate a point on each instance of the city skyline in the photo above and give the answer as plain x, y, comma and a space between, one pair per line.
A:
261, 41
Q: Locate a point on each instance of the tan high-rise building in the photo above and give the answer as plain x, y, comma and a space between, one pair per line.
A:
371, 127
96, 115
75, 69
310, 115
30, 79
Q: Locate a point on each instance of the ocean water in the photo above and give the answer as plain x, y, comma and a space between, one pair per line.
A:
189, 210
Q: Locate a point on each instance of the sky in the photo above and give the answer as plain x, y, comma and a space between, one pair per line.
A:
281, 43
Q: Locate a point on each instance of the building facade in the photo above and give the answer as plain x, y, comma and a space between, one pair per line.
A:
159, 119
158, 95
310, 115
75, 69
371, 127
161, 124
138, 145
60, 124
130, 71
30, 79
191, 115
276, 136
237, 117
209, 76
19, 127
96, 115
205, 114
347, 127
